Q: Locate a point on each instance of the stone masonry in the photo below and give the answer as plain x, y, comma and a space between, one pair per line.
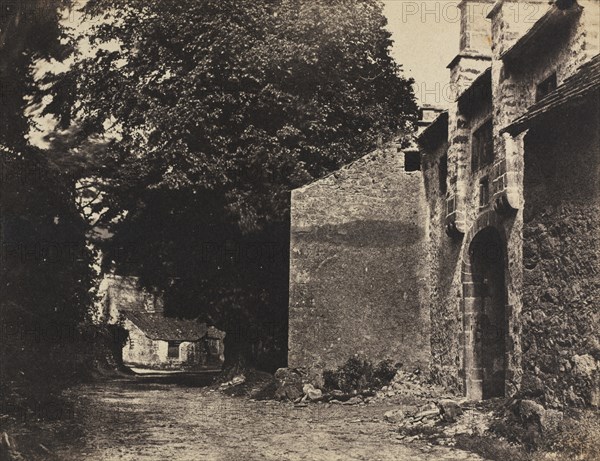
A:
518, 206
486, 264
357, 267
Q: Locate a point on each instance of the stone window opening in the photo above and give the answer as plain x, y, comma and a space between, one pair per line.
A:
484, 192
546, 87
482, 147
131, 344
443, 174
173, 349
412, 161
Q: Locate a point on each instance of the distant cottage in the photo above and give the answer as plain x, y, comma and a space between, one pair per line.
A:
157, 342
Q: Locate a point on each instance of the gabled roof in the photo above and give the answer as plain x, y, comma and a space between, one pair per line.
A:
159, 327
436, 132
574, 91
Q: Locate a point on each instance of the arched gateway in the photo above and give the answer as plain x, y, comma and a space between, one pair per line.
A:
485, 319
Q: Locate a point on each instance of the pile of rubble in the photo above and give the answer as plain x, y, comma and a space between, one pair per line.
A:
443, 420
444, 410
442, 416
410, 384
294, 385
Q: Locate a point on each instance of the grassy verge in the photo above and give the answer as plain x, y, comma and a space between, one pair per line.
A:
577, 438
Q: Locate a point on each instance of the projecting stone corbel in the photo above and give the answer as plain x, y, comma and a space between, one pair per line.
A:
507, 173
453, 232
502, 204
455, 223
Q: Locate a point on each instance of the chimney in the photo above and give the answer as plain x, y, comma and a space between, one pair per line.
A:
475, 52
475, 28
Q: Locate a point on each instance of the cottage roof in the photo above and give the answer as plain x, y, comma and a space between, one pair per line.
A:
159, 327
574, 91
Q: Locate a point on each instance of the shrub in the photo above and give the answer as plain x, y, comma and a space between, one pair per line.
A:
383, 373
359, 374
330, 380
355, 374
577, 439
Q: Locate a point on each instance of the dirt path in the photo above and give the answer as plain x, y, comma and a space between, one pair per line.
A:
136, 421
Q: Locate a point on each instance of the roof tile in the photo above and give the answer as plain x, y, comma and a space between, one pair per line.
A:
159, 327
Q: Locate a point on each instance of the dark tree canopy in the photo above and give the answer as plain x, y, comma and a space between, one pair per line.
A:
45, 264
45, 270
28, 30
210, 112
245, 98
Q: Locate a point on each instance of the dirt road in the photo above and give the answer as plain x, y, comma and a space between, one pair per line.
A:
144, 421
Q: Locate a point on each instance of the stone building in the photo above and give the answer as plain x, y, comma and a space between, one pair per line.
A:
512, 175
511, 250
155, 341
160, 343
357, 246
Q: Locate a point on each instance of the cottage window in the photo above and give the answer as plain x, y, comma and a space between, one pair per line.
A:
482, 149
546, 87
173, 350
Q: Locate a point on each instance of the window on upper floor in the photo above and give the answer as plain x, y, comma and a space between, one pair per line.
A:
482, 148
484, 192
546, 87
443, 174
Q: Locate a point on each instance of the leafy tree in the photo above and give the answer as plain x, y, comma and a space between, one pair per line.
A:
28, 29
45, 265
209, 112
39, 222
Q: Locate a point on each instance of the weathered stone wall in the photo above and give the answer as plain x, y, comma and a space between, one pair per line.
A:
443, 256
453, 306
357, 280
561, 319
514, 90
512, 19
451, 278
514, 86
119, 293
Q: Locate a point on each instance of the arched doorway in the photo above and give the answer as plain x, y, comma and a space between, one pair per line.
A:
486, 322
